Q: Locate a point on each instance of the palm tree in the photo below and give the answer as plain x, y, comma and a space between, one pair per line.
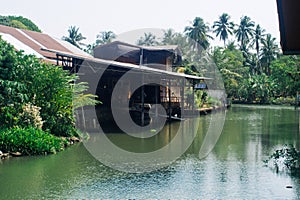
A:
89, 48
231, 46
223, 27
169, 36
258, 37
74, 36
245, 49
253, 64
105, 37
244, 31
149, 39
269, 52
198, 32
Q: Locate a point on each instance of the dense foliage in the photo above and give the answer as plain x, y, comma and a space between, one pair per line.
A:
32, 91
19, 22
246, 83
29, 141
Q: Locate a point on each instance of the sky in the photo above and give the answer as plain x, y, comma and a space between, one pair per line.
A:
93, 16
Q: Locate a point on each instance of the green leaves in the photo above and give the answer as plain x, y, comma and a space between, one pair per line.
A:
25, 80
223, 27
80, 99
19, 22
199, 33
74, 37
29, 141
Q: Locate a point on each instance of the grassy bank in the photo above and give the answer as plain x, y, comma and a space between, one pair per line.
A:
30, 141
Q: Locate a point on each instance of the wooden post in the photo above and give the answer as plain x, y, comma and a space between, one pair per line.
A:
57, 60
156, 100
83, 118
193, 97
169, 94
143, 105
182, 96
143, 88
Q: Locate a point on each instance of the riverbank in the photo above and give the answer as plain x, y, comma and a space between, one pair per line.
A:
281, 101
15, 142
68, 142
205, 111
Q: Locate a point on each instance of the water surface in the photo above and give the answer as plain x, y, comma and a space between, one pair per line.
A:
233, 170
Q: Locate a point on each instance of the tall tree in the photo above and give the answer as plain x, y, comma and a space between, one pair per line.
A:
199, 33
269, 52
223, 27
258, 37
105, 37
169, 36
149, 39
74, 36
244, 30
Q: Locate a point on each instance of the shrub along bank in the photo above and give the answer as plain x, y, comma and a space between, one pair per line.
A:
29, 141
36, 103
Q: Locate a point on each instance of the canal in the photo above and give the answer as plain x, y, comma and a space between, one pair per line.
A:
233, 170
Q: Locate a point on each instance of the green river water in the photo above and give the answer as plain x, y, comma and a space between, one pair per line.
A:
233, 170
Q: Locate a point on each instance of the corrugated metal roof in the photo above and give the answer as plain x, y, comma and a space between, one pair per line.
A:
37, 41
72, 48
20, 45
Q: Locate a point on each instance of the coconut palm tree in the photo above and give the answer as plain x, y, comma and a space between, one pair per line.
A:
74, 37
231, 45
149, 39
169, 36
269, 52
199, 33
223, 27
244, 31
258, 37
105, 37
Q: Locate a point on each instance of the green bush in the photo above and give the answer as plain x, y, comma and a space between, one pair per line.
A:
25, 80
284, 101
29, 141
214, 101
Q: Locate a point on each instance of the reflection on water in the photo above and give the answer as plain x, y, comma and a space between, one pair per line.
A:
233, 170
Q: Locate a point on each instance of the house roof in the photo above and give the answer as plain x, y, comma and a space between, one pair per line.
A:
126, 65
32, 42
289, 25
163, 47
46, 47
117, 49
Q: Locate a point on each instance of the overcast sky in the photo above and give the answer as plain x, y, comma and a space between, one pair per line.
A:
93, 16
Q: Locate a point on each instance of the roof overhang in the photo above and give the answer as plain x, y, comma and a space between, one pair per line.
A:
127, 65
289, 24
